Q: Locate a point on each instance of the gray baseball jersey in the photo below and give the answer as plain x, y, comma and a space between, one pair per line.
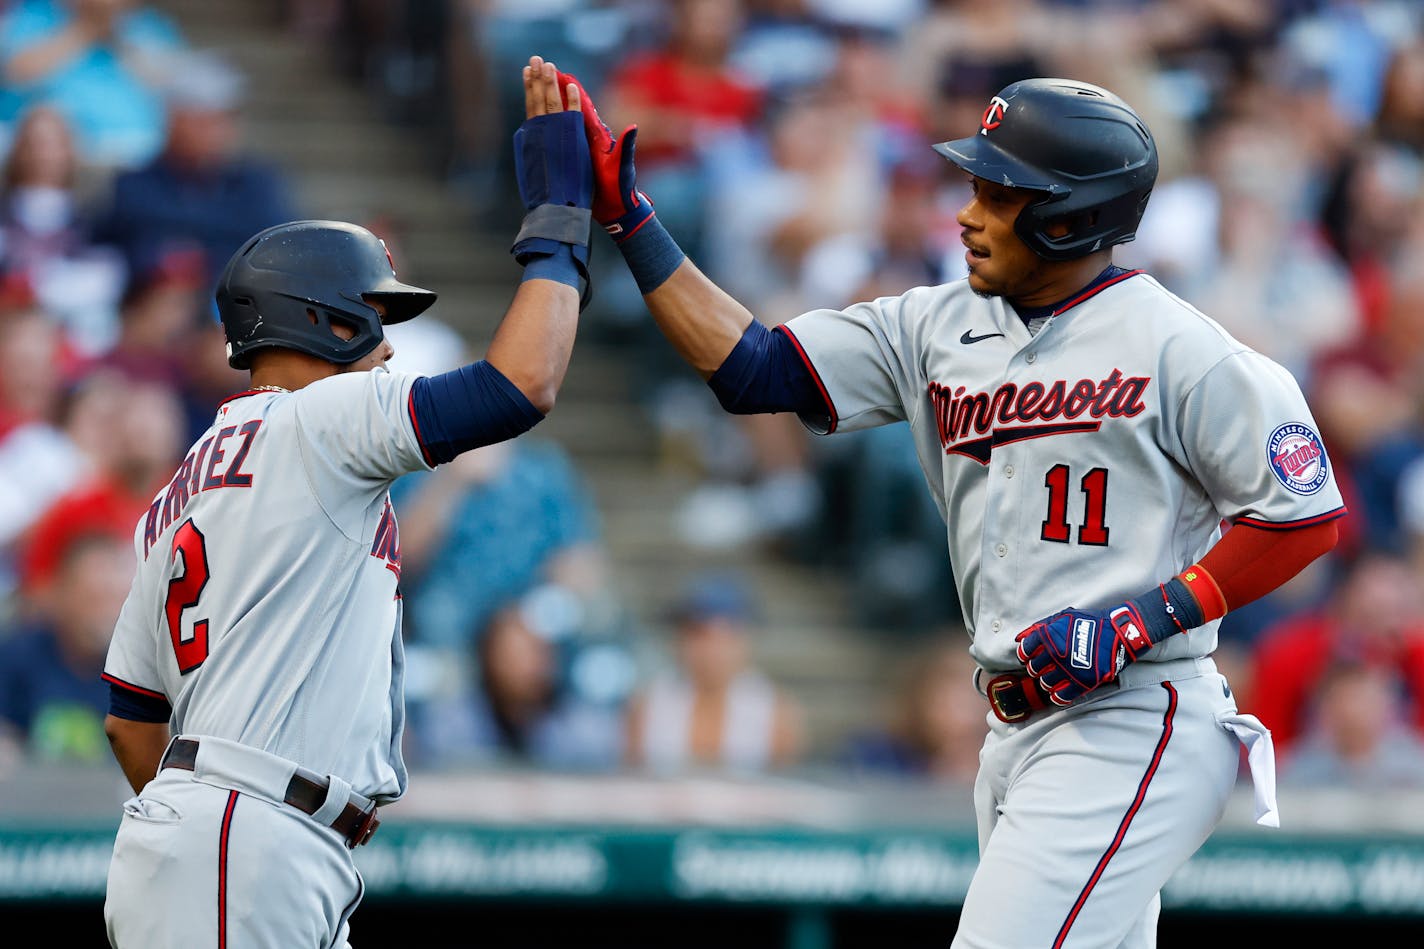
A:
266, 605
1079, 465
266, 609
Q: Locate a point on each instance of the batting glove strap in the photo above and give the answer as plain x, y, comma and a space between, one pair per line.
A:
1131, 632
631, 221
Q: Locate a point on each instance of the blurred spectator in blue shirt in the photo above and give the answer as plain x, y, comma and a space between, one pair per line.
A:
491, 525
52, 699
203, 187
97, 61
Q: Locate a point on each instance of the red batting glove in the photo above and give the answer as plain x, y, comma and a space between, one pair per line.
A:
618, 206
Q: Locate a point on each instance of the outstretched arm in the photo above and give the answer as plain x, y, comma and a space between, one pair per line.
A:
698, 318
701, 321
750, 369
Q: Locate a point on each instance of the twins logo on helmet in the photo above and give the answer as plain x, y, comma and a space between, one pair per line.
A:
993, 115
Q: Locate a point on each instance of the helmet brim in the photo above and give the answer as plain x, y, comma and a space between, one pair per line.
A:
983, 159
401, 300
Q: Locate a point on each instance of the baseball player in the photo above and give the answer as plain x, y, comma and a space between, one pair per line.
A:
1086, 435
256, 667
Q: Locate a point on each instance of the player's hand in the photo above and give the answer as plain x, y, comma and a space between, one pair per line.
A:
1073, 652
542, 95
618, 206
553, 167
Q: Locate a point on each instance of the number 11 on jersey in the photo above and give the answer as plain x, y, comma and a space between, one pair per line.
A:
1093, 531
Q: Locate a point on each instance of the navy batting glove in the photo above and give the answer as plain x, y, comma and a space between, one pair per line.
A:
1073, 652
618, 206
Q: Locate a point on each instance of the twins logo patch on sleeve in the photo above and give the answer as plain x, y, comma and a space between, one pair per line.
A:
1297, 456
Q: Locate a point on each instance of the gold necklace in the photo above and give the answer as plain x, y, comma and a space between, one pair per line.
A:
269, 389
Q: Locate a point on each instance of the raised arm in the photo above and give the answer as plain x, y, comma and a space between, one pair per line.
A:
533, 343
511, 390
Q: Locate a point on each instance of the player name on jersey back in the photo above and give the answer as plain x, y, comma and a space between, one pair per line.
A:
215, 463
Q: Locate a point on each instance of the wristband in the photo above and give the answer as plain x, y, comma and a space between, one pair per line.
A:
1203, 588
652, 255
558, 266
1168, 610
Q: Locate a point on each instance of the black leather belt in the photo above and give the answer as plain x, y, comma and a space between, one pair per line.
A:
306, 792
1014, 697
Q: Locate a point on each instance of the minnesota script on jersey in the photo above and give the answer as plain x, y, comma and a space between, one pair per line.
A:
1081, 464
266, 607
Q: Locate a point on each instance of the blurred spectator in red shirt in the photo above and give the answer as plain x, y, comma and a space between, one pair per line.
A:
682, 95
1376, 618
148, 437
685, 90
167, 335
1366, 397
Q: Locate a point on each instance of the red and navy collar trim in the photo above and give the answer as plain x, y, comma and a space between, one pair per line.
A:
241, 395
1112, 275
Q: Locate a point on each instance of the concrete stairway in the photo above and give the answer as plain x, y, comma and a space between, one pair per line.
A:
347, 162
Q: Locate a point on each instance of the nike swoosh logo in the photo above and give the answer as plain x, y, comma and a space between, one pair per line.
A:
969, 337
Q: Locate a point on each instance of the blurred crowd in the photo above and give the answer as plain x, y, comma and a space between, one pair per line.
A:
786, 144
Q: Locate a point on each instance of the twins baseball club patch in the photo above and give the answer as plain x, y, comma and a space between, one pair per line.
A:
1297, 457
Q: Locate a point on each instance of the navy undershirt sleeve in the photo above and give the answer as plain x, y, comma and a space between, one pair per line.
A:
468, 407
764, 372
137, 707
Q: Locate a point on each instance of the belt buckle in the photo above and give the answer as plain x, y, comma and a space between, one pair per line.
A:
364, 830
995, 691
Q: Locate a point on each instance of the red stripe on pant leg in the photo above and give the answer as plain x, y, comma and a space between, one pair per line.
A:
1126, 818
222, 870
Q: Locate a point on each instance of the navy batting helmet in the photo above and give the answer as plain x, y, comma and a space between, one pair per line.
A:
1081, 146
288, 284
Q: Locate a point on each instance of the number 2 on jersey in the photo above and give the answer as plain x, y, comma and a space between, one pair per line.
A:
1093, 531
183, 594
